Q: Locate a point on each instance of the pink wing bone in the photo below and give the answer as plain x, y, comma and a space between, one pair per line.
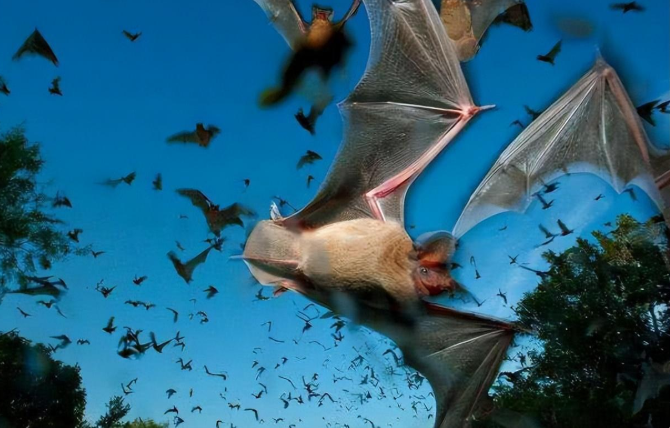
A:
405, 177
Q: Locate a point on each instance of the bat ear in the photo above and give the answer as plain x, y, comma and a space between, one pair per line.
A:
436, 247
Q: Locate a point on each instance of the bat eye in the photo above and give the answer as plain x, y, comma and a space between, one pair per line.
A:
423, 271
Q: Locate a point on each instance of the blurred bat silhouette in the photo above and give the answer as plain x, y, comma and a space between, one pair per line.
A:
348, 249
131, 36
466, 21
35, 44
627, 7
55, 87
646, 110
128, 179
319, 45
217, 218
3, 86
185, 270
550, 57
201, 136
308, 158
158, 182
593, 128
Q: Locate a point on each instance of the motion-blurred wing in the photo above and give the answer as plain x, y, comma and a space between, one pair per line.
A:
410, 103
197, 198
231, 216
460, 355
286, 19
196, 261
466, 21
37, 45
592, 128
184, 137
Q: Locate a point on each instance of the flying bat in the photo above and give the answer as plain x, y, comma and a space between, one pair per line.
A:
74, 234
185, 270
35, 44
128, 179
158, 182
201, 136
308, 122
131, 36
61, 201
646, 110
550, 57
627, 7
466, 21
308, 158
3, 86
217, 218
55, 87
348, 250
593, 128
320, 44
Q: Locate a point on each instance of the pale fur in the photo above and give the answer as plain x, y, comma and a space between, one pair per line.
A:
356, 256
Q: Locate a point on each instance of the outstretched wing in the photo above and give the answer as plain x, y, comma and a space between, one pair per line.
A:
286, 19
592, 128
410, 103
36, 44
197, 198
184, 137
466, 21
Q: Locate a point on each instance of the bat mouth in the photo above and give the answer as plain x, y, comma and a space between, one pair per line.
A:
322, 13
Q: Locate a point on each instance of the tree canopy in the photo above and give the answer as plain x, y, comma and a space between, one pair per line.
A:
29, 233
601, 324
36, 390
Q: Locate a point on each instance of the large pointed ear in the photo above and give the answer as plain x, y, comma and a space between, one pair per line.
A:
435, 247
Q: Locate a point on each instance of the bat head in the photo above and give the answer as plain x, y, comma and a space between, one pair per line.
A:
432, 275
322, 13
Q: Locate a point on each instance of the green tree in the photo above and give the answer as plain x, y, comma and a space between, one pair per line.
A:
602, 324
37, 391
29, 234
148, 423
116, 410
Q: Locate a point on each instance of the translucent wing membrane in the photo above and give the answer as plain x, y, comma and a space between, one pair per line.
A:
285, 17
592, 128
410, 103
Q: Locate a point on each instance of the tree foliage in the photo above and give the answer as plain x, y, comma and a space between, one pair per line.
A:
116, 410
37, 391
29, 234
602, 325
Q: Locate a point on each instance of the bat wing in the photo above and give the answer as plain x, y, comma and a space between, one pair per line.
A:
286, 19
197, 198
592, 128
196, 261
36, 44
410, 103
184, 137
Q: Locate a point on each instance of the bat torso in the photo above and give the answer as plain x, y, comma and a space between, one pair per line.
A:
319, 33
369, 258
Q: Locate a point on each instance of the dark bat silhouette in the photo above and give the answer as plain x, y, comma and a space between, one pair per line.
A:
663, 107
3, 86
185, 270
110, 327
397, 119
466, 21
532, 113
74, 234
128, 179
217, 218
35, 44
309, 179
627, 7
319, 45
308, 122
174, 313
158, 182
140, 280
564, 229
517, 123
646, 110
223, 376
211, 291
23, 313
131, 36
61, 201
551, 55
308, 158
55, 87
201, 136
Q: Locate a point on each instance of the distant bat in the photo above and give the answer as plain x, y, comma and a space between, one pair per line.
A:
320, 44
646, 110
627, 7
35, 44
128, 179
309, 122
61, 201
201, 136
309, 179
551, 55
55, 87
158, 182
211, 291
532, 113
74, 234
308, 158
217, 218
131, 36
3, 86
185, 270
110, 327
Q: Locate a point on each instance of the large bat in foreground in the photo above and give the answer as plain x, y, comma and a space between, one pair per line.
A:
593, 128
348, 250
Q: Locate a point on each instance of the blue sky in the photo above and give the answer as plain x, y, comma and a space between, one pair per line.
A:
207, 62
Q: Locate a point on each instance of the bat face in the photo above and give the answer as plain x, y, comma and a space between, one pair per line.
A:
433, 276
321, 14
